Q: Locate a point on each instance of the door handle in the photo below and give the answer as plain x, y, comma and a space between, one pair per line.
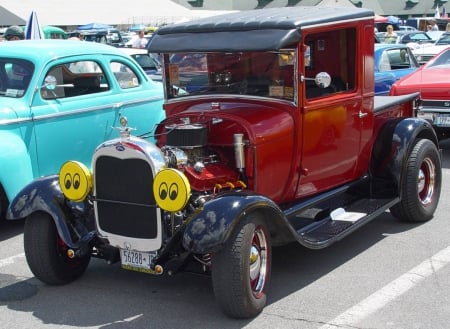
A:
362, 114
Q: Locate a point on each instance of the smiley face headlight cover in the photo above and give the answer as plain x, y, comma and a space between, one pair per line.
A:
171, 189
75, 180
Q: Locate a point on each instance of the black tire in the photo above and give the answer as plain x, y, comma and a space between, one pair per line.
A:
46, 252
421, 184
241, 270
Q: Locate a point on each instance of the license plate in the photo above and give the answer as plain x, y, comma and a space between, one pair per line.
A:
442, 120
137, 260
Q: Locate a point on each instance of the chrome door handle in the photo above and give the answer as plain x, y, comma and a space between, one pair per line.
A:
362, 114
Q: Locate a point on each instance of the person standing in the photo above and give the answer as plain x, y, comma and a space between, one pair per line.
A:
140, 41
434, 26
390, 36
14, 33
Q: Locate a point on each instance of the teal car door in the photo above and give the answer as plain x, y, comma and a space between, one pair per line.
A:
75, 109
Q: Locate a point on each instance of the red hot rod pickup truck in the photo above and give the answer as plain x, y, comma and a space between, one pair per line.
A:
273, 134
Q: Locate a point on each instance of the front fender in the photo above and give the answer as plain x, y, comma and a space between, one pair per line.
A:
44, 195
209, 228
16, 169
393, 145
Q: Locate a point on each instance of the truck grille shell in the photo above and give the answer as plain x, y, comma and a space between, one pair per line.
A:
126, 213
125, 201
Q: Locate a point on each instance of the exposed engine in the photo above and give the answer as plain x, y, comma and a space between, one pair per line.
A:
186, 145
186, 149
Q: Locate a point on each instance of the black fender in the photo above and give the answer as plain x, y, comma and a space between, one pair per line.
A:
391, 149
44, 195
209, 228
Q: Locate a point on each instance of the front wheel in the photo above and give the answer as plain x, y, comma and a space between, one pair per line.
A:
46, 253
421, 184
241, 270
3, 203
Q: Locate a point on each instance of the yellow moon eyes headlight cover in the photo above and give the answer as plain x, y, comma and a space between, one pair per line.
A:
75, 180
171, 189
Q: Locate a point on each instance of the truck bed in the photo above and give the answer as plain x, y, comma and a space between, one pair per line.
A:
382, 103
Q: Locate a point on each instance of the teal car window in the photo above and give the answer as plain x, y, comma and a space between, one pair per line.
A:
15, 76
126, 78
74, 79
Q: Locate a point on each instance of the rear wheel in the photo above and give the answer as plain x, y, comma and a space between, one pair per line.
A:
241, 270
46, 252
421, 184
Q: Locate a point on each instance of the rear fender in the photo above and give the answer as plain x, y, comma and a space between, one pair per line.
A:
392, 147
209, 228
43, 195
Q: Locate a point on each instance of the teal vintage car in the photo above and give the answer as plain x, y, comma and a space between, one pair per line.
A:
59, 99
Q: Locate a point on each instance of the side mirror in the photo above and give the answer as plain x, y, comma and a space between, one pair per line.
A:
323, 80
50, 83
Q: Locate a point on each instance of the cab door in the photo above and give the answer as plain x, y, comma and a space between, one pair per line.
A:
331, 143
331, 125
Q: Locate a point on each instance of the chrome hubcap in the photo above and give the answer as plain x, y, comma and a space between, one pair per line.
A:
426, 181
258, 261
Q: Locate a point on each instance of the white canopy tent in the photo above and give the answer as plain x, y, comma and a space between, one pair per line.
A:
131, 12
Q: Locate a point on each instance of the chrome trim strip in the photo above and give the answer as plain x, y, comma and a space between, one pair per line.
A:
113, 106
434, 110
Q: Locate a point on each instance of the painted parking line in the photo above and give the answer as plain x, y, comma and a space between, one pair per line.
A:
11, 260
388, 293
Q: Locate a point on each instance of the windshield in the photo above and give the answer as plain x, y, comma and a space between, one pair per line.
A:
444, 39
114, 37
441, 60
264, 74
100, 38
15, 75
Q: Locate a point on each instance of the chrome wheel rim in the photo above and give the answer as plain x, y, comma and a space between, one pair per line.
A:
258, 261
426, 179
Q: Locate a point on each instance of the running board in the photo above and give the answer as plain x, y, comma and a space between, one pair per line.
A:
341, 222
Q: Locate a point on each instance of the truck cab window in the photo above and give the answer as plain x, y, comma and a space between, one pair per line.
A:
333, 52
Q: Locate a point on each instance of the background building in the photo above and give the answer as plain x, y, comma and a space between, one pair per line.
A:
400, 8
68, 15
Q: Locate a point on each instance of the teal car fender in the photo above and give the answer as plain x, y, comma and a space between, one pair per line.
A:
16, 168
209, 228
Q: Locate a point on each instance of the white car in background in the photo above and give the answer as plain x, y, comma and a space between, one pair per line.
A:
427, 51
406, 28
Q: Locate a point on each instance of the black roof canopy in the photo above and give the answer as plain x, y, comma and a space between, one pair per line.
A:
252, 30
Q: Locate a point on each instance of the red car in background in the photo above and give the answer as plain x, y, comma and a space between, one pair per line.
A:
433, 82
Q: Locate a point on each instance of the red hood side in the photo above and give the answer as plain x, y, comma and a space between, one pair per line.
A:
261, 121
